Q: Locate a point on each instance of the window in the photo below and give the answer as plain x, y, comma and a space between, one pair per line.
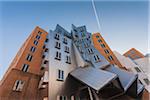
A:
29, 57
66, 49
65, 41
61, 97
32, 49
146, 81
99, 40
44, 46
57, 36
38, 37
90, 51
57, 45
97, 36
46, 40
85, 45
68, 59
45, 62
46, 50
35, 42
106, 51
110, 58
102, 45
96, 58
60, 75
39, 32
58, 55
137, 69
18, 85
25, 67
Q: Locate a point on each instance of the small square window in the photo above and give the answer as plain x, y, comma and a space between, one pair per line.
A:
90, 51
106, 51
35, 42
38, 37
99, 40
96, 58
57, 36
110, 58
102, 45
29, 57
25, 67
32, 49
97, 36
46, 40
18, 86
39, 32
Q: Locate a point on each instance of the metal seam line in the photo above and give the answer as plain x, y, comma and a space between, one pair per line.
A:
96, 15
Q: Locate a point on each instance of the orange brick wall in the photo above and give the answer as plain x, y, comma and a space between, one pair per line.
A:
133, 54
32, 77
97, 45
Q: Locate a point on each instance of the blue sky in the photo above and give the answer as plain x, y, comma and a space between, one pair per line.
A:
123, 24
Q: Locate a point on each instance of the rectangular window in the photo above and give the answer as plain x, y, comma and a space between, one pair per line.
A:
57, 45
65, 41
90, 51
106, 51
25, 67
60, 75
35, 42
96, 58
38, 37
39, 32
32, 49
97, 36
66, 49
57, 36
62, 98
46, 40
68, 59
102, 45
58, 55
110, 58
146, 81
99, 40
137, 69
29, 57
18, 86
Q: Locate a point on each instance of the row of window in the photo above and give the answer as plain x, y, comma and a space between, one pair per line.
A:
57, 37
58, 46
18, 86
25, 67
58, 57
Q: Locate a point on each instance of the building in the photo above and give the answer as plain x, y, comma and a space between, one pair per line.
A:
133, 54
139, 66
24, 72
67, 66
101, 45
